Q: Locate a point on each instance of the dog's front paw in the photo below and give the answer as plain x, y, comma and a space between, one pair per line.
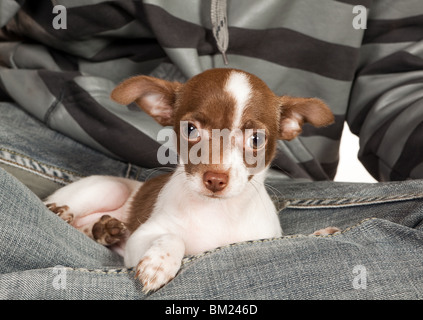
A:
108, 230
61, 211
156, 269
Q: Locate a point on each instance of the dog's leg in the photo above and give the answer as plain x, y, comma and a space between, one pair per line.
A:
157, 262
326, 231
95, 205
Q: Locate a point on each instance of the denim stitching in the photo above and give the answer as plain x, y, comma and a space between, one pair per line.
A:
189, 259
50, 172
206, 253
128, 171
348, 202
100, 271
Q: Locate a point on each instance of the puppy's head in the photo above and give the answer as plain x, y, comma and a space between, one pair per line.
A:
227, 123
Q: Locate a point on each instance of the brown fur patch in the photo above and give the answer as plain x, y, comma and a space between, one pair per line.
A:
141, 89
302, 110
144, 200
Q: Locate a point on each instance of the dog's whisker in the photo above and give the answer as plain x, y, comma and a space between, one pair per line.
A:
276, 192
289, 175
256, 187
157, 169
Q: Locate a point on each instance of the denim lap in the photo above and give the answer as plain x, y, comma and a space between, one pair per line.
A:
377, 255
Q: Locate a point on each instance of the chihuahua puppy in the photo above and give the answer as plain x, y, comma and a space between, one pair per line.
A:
216, 195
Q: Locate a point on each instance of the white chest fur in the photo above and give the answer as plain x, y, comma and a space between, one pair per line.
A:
206, 223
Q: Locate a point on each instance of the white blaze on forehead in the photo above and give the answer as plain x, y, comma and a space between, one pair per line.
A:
239, 87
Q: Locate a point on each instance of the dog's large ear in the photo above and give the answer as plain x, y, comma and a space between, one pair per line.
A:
155, 96
297, 111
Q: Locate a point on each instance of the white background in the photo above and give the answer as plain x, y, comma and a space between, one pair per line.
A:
350, 168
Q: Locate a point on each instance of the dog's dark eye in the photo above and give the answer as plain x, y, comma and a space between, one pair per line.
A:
191, 132
257, 140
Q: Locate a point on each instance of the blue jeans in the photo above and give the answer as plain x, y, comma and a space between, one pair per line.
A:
378, 254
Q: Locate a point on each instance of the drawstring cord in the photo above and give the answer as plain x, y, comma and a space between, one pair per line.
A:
220, 26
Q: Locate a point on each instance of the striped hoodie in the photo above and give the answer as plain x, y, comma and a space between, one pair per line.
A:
59, 61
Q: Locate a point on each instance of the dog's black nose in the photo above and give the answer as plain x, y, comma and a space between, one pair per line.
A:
215, 181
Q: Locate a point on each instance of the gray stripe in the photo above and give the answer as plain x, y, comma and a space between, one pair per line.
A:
78, 3
6, 53
298, 50
84, 48
282, 80
417, 172
388, 105
132, 30
324, 150
33, 56
60, 120
384, 171
43, 105
394, 9
187, 60
416, 49
28, 90
7, 10
369, 87
401, 128
169, 72
286, 81
192, 11
373, 52
117, 70
262, 15
388, 31
100, 89
295, 150
275, 176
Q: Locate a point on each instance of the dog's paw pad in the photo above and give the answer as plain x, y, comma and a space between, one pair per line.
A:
156, 269
108, 230
326, 231
61, 211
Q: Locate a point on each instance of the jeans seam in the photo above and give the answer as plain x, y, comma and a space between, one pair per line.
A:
190, 259
101, 271
193, 258
313, 203
128, 171
71, 176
